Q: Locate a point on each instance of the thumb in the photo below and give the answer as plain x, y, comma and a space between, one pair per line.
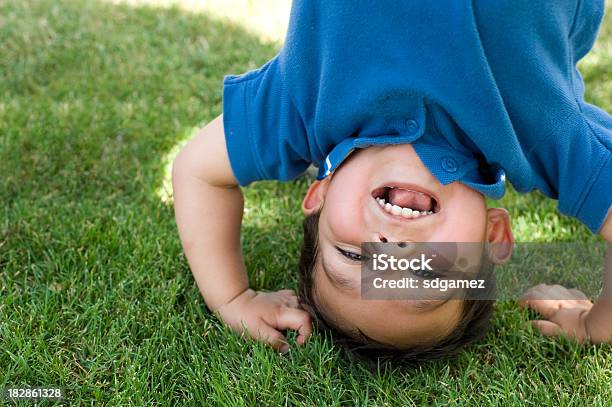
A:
298, 320
272, 337
547, 328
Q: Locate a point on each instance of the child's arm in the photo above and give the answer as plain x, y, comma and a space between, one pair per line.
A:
208, 206
579, 319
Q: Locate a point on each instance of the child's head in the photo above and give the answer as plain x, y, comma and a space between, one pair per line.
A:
345, 210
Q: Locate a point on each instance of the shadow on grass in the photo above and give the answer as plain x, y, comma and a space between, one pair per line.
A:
95, 99
95, 95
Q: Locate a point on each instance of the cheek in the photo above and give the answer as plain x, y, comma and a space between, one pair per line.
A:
343, 213
465, 217
458, 231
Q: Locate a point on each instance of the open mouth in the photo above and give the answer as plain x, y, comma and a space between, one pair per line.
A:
405, 202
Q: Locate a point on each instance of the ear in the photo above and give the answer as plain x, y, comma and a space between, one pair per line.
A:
315, 196
499, 235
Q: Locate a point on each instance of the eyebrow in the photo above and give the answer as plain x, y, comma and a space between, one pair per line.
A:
335, 277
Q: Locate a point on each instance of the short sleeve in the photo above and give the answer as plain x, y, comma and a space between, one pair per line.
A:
591, 205
593, 209
583, 167
587, 20
264, 133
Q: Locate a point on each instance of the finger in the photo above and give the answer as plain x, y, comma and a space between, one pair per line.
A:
286, 293
292, 302
272, 337
546, 308
558, 292
523, 302
531, 294
578, 295
536, 292
538, 288
298, 320
526, 299
547, 328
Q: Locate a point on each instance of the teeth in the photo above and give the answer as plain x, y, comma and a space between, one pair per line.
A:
396, 210
399, 211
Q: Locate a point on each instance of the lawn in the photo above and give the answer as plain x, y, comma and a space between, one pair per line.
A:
96, 296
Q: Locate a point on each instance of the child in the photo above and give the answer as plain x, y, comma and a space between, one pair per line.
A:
413, 112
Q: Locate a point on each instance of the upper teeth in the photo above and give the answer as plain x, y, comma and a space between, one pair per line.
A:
399, 211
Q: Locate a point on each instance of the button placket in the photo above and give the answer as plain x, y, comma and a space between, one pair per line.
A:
449, 164
411, 126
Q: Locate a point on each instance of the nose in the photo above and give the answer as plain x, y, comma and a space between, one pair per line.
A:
387, 238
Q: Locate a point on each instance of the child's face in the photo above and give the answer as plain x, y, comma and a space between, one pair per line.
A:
352, 214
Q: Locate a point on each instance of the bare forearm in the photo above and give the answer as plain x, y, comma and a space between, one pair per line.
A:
208, 206
599, 318
208, 219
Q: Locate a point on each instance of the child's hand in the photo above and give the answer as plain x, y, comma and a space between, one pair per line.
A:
563, 317
263, 315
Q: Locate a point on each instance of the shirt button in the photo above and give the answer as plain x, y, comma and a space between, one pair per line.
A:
411, 126
449, 164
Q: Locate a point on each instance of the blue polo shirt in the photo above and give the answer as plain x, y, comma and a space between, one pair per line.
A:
482, 90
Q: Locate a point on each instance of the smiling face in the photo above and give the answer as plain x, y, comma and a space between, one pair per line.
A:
386, 194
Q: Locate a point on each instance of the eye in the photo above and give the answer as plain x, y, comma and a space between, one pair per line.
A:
426, 274
349, 255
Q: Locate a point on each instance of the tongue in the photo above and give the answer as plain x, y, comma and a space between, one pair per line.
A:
410, 199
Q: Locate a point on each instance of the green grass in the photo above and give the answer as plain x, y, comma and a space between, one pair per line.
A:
95, 294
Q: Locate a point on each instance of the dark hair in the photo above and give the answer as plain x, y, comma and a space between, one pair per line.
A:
472, 326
